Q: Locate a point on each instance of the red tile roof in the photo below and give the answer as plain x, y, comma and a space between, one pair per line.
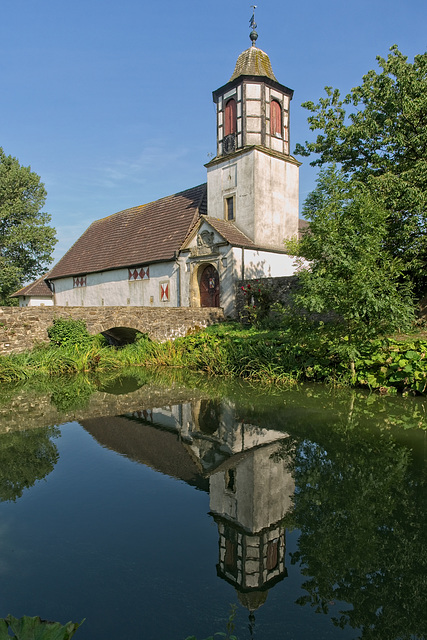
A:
38, 288
230, 233
149, 233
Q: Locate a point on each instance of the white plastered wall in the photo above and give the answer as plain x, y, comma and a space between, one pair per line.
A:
252, 263
266, 192
113, 288
35, 301
276, 200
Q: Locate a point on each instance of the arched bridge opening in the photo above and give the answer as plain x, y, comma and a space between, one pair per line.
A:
23, 327
120, 336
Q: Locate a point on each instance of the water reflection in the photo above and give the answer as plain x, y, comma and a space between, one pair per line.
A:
340, 469
206, 444
25, 458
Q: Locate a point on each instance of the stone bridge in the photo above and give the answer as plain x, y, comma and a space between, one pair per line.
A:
23, 327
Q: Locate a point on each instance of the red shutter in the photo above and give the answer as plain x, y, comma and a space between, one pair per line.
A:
276, 118
230, 117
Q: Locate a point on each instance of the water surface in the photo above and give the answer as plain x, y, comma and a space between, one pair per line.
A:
152, 506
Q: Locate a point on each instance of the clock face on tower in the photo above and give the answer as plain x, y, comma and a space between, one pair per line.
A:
229, 143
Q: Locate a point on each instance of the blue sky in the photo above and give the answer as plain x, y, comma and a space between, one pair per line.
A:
111, 102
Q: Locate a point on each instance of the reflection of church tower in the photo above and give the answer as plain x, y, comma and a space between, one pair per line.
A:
249, 497
253, 180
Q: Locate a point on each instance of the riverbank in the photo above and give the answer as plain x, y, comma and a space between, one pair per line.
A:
279, 356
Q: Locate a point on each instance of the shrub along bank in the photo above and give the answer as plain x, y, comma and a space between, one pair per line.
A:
280, 356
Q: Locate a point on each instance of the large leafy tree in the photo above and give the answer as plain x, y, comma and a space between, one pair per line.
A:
378, 134
349, 271
26, 239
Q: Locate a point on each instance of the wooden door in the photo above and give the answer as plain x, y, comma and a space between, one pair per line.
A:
209, 287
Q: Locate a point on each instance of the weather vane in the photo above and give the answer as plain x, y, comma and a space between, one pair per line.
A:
253, 35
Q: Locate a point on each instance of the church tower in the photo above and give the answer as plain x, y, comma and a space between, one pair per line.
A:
253, 181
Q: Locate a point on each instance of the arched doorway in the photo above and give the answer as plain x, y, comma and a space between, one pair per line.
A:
209, 287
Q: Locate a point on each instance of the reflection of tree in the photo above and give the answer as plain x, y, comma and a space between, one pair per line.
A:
25, 457
360, 506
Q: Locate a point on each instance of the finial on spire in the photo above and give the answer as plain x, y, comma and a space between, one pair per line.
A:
253, 35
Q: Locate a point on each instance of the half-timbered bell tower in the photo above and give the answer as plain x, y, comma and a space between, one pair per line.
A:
253, 180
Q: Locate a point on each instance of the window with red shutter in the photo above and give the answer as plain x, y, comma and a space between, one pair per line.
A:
276, 118
230, 117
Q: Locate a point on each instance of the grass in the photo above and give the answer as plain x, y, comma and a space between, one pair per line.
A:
280, 356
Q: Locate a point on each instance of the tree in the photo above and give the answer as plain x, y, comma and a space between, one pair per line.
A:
26, 239
349, 271
382, 141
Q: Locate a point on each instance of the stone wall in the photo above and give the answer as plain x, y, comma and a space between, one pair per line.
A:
23, 327
281, 287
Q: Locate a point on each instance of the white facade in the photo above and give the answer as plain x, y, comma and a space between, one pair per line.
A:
175, 283
35, 301
265, 190
116, 288
252, 194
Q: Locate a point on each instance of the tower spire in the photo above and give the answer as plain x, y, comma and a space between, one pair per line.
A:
253, 35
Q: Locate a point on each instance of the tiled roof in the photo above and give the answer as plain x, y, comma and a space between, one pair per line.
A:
253, 62
140, 235
37, 288
230, 232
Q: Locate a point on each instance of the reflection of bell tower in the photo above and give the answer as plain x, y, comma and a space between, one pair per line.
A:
253, 181
249, 496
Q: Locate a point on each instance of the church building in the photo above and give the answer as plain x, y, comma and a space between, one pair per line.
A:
192, 248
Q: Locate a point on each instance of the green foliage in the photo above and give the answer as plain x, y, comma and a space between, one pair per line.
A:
25, 457
385, 364
300, 350
349, 272
378, 134
26, 239
66, 331
259, 300
33, 628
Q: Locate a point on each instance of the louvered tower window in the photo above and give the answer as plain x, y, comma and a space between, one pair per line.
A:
276, 118
230, 117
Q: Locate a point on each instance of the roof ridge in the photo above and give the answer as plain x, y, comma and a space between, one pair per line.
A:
137, 235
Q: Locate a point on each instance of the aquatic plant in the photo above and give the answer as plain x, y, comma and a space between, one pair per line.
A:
33, 628
228, 634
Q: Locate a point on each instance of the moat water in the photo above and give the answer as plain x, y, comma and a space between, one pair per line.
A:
157, 507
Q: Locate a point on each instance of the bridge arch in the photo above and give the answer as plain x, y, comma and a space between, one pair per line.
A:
119, 336
23, 327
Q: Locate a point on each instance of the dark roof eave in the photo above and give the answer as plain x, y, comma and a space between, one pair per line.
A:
121, 266
233, 83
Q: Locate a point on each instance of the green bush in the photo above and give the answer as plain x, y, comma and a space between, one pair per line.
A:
65, 332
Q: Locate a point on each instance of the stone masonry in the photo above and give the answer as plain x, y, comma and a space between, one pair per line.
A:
23, 327
281, 288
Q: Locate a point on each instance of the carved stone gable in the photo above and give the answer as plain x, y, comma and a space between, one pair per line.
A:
205, 244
